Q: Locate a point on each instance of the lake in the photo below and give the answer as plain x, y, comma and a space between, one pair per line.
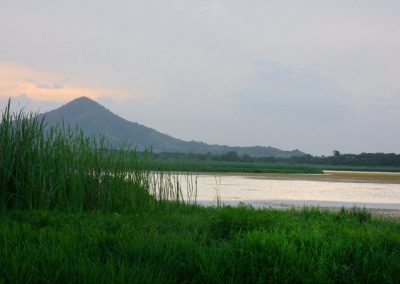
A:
333, 189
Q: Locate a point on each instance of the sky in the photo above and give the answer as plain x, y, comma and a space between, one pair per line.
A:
307, 74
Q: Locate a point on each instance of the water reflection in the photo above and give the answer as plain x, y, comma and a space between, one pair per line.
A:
297, 190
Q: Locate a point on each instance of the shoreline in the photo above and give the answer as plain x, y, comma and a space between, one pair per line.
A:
327, 176
389, 212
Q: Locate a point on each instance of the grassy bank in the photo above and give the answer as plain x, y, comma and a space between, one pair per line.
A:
177, 244
358, 168
233, 167
62, 169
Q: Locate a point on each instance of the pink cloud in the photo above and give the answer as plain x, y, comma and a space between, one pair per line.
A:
42, 86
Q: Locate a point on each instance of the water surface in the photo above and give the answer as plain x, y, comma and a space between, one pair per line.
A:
333, 189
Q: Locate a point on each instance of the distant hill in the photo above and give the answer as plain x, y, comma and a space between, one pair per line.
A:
94, 119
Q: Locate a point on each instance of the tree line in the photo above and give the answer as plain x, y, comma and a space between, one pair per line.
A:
363, 159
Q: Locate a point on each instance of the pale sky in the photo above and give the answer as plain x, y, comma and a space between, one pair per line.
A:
313, 75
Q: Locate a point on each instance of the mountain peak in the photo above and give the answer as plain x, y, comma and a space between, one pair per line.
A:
82, 100
82, 104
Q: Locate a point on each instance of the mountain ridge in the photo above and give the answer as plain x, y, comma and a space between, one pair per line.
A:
94, 119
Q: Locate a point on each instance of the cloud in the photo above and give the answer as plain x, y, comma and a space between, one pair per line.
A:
21, 83
215, 9
52, 86
27, 104
297, 92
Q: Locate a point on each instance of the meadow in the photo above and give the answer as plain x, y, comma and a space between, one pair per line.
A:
175, 244
231, 167
72, 211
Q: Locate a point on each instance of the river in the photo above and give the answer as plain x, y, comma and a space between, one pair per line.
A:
333, 189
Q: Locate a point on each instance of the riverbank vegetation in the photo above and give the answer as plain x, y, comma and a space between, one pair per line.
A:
231, 167
72, 211
64, 170
176, 244
385, 162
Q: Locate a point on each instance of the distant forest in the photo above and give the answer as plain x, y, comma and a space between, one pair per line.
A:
337, 159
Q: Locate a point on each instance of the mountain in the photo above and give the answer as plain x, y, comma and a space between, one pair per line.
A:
94, 119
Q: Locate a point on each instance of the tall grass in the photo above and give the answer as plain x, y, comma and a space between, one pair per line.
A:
167, 186
190, 244
60, 168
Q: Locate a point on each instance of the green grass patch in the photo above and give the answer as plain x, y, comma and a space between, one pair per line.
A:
233, 167
200, 245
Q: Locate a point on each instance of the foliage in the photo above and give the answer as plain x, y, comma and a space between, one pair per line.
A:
65, 170
229, 166
364, 161
199, 245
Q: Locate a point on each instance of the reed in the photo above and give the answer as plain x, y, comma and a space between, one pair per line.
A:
61, 168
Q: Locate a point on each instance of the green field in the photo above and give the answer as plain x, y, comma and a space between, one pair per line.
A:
72, 211
177, 244
232, 167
